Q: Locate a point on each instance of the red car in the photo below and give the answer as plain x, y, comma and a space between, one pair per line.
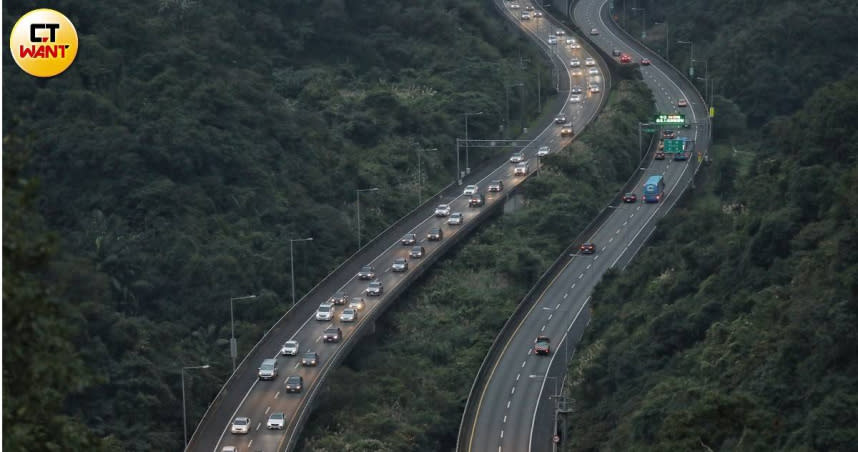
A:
682, 103
645, 62
625, 59
588, 248
630, 197
659, 155
542, 345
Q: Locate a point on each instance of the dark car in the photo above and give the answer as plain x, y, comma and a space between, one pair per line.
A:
310, 359
616, 52
417, 252
477, 200
333, 334
338, 298
409, 239
561, 119
435, 234
630, 197
645, 62
668, 134
659, 155
294, 383
542, 345
588, 248
496, 186
399, 265
366, 272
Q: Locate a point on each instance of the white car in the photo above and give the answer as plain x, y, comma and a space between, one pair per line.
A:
348, 315
589, 61
570, 41
576, 98
471, 190
594, 31
357, 303
240, 426
276, 421
521, 169
575, 45
594, 88
514, 6
325, 312
577, 72
543, 151
456, 218
516, 157
290, 348
375, 288
559, 32
593, 71
552, 40
525, 16
442, 210
574, 62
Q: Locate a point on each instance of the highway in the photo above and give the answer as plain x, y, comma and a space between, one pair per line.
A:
515, 408
247, 396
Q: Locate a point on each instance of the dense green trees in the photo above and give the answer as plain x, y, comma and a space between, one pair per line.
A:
189, 141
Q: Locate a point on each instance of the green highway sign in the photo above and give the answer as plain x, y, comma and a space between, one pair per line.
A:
674, 146
649, 130
673, 119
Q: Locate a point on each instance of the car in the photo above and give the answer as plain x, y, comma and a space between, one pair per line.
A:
525, 15
357, 303
348, 315
325, 312
310, 359
587, 248
630, 197
290, 348
268, 369
514, 6
616, 52
575, 45
575, 62
399, 265
682, 103
435, 234
496, 186
375, 288
589, 61
471, 189
594, 31
521, 169
366, 272
576, 90
240, 426
645, 62
477, 200
338, 298
668, 134
576, 98
542, 345
659, 155
559, 32
537, 14
456, 218
566, 132
625, 59
543, 151
333, 334
417, 252
229, 449
442, 210
277, 420
552, 40
593, 71
594, 88
562, 119
576, 73
570, 41
294, 383
516, 157
528, 8
409, 239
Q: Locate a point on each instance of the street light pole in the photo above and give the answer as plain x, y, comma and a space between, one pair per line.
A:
358, 209
554, 397
184, 410
643, 22
467, 159
233, 345
420, 175
292, 262
691, 57
666, 38
507, 99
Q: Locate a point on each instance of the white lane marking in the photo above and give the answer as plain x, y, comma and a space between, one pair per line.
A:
504, 419
580, 276
523, 363
625, 223
513, 390
297, 365
267, 409
543, 328
618, 231
632, 216
639, 208
565, 295
558, 306
277, 394
508, 402
517, 376
610, 240
595, 258
249, 444
258, 425
589, 265
501, 433
550, 315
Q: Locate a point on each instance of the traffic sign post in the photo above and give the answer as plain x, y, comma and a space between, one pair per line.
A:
670, 120
674, 146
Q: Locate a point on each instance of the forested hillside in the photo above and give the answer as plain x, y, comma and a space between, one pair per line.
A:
184, 147
735, 328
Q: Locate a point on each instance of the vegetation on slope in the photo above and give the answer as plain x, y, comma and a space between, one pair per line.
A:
404, 388
189, 141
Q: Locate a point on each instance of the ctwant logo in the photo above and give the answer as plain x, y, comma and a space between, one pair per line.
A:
44, 43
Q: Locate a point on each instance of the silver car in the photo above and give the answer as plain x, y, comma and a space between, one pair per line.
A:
325, 312
240, 426
276, 421
290, 348
543, 151
348, 315
456, 218
442, 210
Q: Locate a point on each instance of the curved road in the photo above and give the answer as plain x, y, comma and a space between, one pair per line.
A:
259, 399
515, 410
